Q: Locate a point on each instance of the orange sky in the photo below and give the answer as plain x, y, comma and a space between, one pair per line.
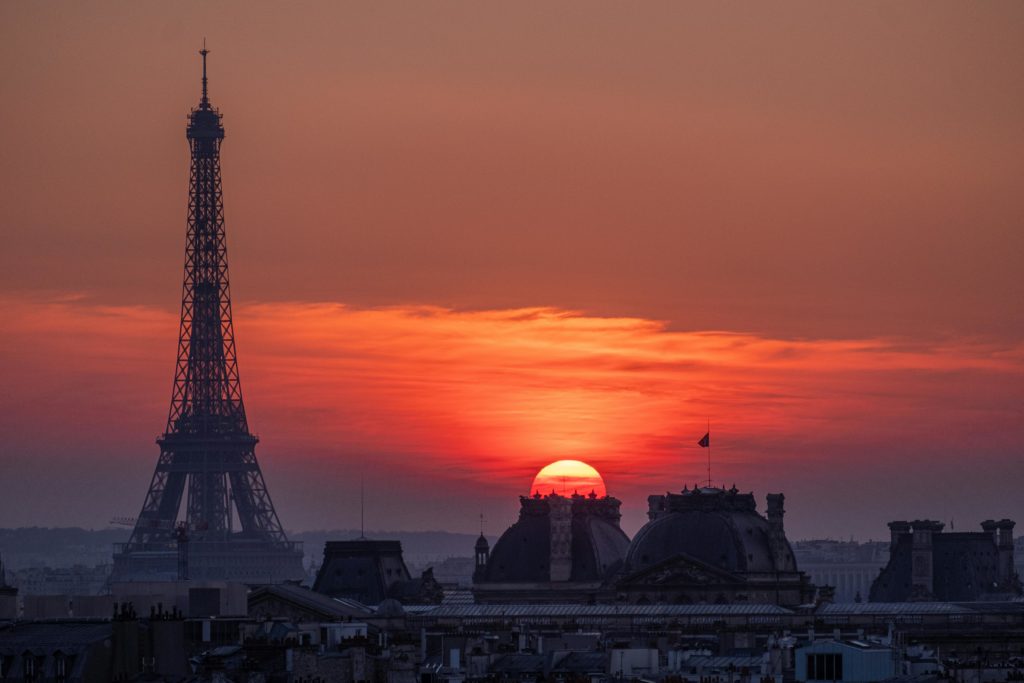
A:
454, 412
468, 239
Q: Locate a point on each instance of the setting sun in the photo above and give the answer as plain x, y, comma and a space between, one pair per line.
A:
566, 477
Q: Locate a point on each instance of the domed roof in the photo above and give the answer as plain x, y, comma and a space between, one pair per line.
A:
482, 544
390, 608
523, 553
718, 527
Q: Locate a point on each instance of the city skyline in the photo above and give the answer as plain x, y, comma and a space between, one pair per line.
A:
479, 268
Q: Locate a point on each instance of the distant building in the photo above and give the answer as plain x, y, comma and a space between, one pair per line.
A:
76, 580
927, 564
709, 545
372, 571
562, 549
848, 566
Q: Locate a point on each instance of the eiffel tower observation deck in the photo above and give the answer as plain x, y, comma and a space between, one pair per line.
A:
229, 529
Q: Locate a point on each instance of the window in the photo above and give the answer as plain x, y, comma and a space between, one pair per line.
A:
60, 667
825, 667
29, 667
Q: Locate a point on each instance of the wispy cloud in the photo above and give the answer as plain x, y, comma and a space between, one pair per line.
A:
492, 396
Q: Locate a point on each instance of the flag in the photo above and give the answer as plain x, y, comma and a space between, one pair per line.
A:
705, 441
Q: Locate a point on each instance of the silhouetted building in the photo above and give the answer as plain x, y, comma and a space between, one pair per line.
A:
562, 549
75, 580
56, 651
926, 564
207, 447
372, 571
709, 545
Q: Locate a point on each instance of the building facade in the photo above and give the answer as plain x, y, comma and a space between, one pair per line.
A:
927, 564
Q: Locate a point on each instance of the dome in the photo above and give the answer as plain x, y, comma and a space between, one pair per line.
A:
596, 547
390, 608
717, 527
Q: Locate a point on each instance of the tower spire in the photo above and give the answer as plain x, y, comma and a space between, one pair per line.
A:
205, 102
207, 449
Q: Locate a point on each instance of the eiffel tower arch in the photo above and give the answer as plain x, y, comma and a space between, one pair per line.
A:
229, 529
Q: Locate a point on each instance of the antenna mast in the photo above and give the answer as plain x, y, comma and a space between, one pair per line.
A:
709, 452
205, 102
362, 508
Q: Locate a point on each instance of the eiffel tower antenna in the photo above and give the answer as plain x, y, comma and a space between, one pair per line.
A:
205, 101
207, 446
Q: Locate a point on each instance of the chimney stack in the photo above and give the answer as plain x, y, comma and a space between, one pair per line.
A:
897, 530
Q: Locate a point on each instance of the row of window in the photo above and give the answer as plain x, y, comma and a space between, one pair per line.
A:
825, 667
32, 666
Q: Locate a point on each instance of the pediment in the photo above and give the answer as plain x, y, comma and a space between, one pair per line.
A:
680, 570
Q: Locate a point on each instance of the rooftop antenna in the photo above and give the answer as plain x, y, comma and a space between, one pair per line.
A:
362, 507
205, 103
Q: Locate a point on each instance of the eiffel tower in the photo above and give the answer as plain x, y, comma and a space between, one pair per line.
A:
207, 447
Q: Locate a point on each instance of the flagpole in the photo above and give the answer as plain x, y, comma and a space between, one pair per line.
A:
709, 452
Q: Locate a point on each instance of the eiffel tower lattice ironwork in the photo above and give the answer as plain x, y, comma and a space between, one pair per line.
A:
207, 448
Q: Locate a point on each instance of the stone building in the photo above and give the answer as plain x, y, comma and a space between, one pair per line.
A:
710, 545
562, 549
927, 564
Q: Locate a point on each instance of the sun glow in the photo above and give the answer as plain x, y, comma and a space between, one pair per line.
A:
566, 477
456, 398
